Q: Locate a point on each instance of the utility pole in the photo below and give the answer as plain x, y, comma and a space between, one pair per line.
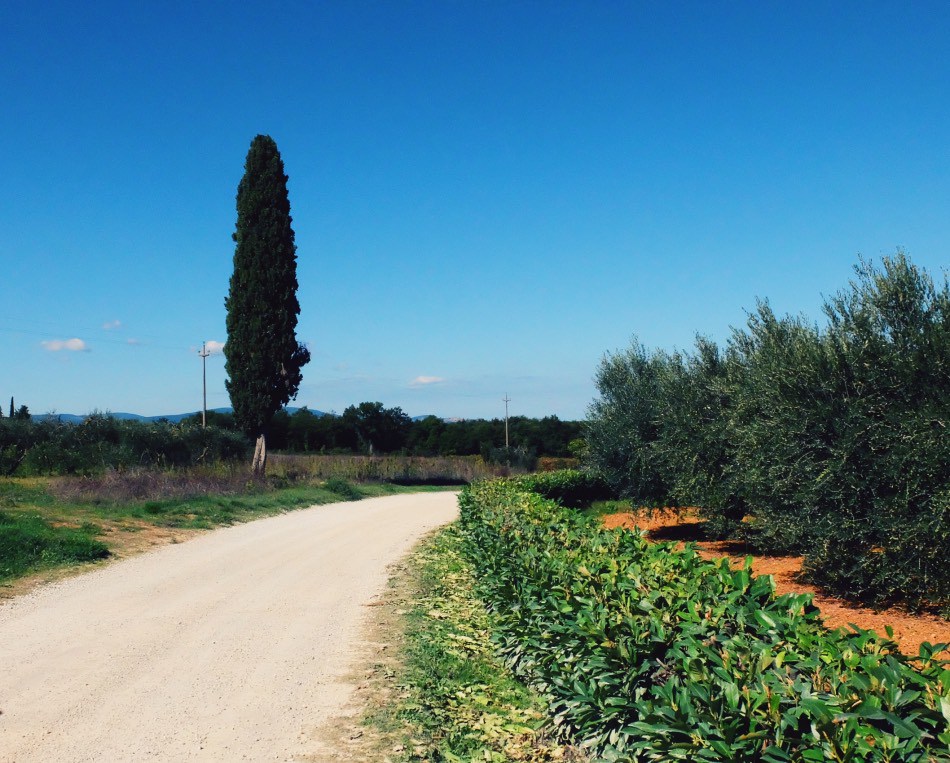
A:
203, 354
507, 400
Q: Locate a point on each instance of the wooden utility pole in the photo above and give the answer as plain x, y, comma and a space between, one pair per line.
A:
204, 353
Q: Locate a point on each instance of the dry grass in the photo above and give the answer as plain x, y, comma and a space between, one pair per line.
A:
403, 470
153, 484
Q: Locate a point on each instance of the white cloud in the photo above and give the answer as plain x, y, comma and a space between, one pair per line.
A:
215, 348
132, 341
72, 345
424, 381
109, 325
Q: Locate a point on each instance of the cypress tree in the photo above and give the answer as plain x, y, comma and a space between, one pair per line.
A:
263, 357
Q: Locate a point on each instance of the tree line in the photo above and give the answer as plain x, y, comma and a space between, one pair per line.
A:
49, 446
829, 441
371, 428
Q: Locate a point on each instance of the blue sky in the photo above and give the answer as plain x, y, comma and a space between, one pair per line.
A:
487, 196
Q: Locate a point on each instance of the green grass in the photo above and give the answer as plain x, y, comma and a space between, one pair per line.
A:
456, 701
40, 531
28, 543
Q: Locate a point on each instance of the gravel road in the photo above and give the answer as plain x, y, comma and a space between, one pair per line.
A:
235, 645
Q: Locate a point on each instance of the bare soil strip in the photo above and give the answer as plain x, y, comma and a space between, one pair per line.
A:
235, 645
910, 630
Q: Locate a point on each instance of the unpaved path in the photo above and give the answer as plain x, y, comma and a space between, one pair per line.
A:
232, 646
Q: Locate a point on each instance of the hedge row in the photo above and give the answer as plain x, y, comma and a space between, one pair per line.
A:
831, 441
651, 654
569, 487
102, 442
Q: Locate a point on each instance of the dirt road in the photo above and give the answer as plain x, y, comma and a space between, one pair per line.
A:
232, 646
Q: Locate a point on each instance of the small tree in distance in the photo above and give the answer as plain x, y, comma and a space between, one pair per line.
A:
263, 357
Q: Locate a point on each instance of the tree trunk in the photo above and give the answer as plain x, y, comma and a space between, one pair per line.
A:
259, 464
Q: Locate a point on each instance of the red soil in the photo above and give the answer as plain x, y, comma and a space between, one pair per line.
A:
910, 630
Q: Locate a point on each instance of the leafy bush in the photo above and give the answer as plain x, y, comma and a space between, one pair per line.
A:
652, 654
343, 489
569, 487
101, 443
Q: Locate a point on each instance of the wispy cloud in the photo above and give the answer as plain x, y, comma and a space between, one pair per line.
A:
133, 341
110, 325
71, 345
425, 381
215, 348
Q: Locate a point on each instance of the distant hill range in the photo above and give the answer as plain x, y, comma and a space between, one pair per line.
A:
73, 418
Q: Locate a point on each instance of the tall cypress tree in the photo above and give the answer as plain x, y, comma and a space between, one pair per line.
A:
263, 357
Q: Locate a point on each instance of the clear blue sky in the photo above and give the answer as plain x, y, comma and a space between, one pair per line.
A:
487, 196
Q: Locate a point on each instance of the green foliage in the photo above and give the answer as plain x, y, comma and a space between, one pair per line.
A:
378, 429
28, 543
546, 436
342, 488
652, 654
457, 700
827, 441
263, 358
389, 430
625, 424
102, 442
569, 487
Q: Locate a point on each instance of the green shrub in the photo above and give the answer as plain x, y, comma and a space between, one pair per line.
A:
342, 488
101, 443
569, 487
652, 654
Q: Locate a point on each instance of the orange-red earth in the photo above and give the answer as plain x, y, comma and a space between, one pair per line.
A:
910, 629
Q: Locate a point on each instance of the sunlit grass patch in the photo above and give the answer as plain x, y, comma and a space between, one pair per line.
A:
29, 543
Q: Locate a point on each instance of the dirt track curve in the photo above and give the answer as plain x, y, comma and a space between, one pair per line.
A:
232, 646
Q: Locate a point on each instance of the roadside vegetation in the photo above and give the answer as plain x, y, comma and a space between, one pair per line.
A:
50, 522
644, 652
454, 699
826, 441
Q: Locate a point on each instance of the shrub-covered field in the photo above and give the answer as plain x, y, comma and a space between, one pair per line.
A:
832, 441
650, 654
102, 442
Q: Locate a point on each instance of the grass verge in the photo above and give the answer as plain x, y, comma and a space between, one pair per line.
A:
27, 543
449, 697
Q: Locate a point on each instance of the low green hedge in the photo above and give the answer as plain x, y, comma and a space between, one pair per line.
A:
652, 654
569, 487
